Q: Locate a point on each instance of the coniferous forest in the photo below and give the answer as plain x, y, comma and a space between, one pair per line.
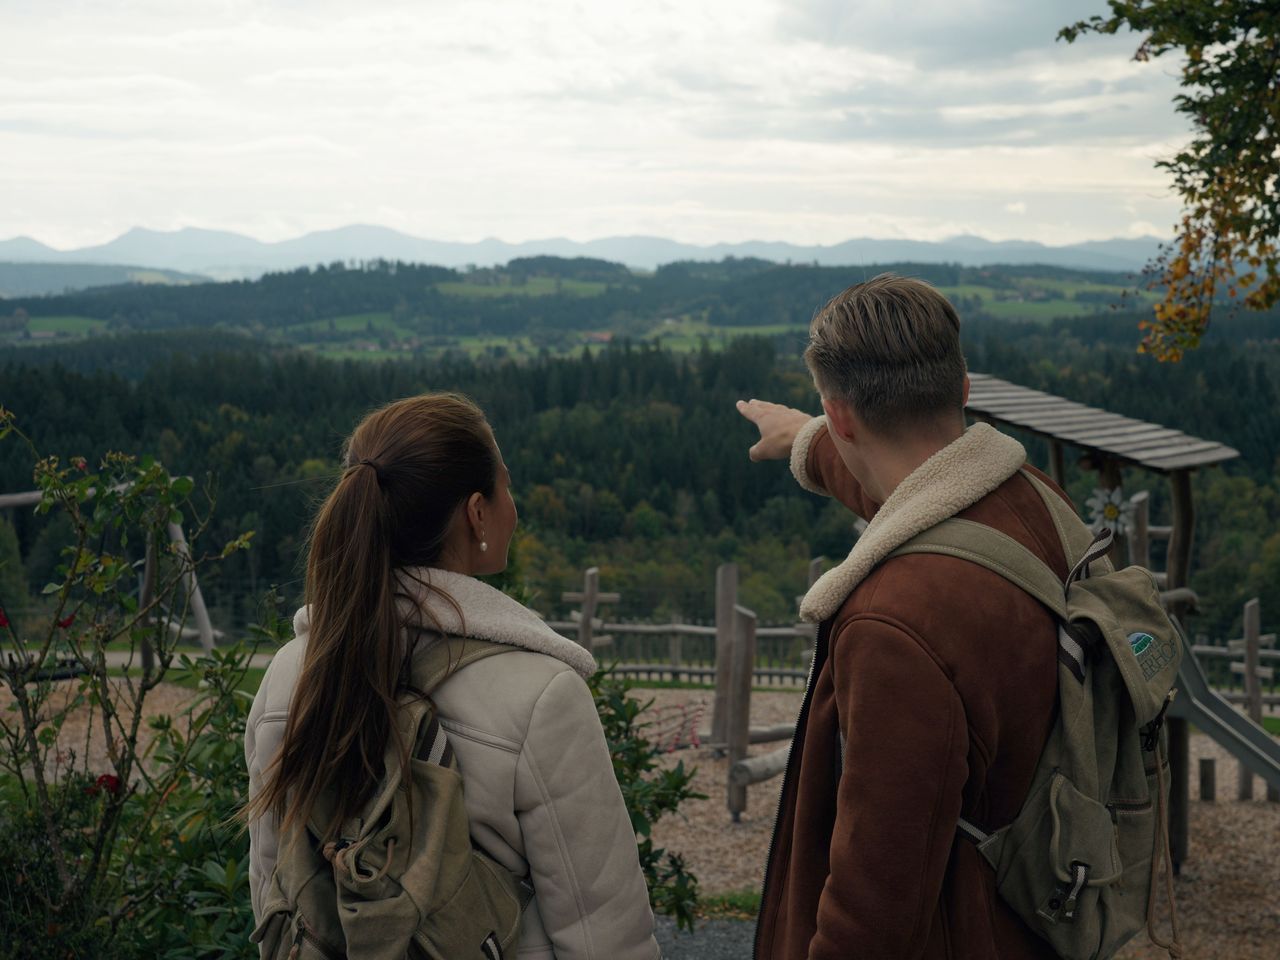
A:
628, 456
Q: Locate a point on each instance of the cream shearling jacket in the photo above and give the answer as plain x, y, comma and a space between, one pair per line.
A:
538, 782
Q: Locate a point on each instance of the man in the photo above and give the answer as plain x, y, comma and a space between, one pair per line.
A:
934, 680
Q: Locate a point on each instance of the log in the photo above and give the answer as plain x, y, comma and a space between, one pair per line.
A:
761, 768
770, 734
1208, 780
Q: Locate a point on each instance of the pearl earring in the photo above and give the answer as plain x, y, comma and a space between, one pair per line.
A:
483, 546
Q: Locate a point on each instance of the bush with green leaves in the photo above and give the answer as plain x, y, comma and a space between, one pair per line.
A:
650, 792
100, 833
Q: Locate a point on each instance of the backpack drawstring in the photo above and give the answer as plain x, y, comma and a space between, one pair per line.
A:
1160, 847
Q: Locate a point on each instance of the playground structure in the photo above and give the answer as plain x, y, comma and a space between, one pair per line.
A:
203, 630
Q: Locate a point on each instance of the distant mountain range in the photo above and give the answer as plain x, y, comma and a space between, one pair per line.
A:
227, 256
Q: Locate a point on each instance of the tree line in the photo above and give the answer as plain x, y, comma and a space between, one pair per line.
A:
631, 458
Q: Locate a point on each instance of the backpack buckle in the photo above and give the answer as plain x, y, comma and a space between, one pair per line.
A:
1151, 732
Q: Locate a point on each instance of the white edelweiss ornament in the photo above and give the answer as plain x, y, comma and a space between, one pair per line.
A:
1109, 508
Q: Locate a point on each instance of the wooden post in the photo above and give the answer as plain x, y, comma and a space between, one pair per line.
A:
1110, 480
1178, 567
1252, 685
809, 631
1057, 473
726, 600
1208, 780
1178, 787
1139, 533
590, 597
194, 597
676, 649
815, 571
146, 595
590, 590
739, 718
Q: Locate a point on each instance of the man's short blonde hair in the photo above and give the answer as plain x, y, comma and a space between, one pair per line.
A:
890, 348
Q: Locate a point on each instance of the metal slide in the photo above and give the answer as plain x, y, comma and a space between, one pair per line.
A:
1238, 735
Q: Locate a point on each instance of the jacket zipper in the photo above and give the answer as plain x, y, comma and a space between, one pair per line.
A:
819, 659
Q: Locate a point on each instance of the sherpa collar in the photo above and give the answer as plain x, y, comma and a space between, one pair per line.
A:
956, 477
488, 614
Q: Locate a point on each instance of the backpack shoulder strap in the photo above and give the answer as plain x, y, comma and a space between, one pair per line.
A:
444, 656
980, 544
1076, 538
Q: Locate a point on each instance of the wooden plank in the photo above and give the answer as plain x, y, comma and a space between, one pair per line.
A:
1005, 404
1159, 450
1063, 419
1136, 428
1189, 461
1114, 439
1013, 408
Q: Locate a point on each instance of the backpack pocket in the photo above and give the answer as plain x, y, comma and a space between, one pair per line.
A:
1053, 863
286, 935
481, 921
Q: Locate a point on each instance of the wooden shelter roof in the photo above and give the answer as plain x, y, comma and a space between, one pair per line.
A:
1147, 445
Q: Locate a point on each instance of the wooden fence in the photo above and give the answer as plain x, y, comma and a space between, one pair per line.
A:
736, 654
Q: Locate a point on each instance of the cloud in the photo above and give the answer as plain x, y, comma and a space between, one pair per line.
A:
810, 121
1017, 207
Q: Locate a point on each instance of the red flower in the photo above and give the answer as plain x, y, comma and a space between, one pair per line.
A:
4, 621
67, 621
108, 782
80, 463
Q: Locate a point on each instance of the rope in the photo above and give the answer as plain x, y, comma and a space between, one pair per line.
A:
1159, 850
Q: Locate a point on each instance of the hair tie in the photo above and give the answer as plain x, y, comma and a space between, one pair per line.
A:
377, 469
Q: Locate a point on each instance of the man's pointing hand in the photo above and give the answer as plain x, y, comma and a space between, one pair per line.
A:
778, 426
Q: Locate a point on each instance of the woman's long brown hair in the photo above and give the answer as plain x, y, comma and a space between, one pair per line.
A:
408, 467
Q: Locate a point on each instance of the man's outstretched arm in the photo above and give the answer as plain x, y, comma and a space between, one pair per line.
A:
815, 462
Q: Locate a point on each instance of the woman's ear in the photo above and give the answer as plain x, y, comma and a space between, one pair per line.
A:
475, 514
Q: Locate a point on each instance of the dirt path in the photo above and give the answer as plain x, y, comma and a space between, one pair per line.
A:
1228, 895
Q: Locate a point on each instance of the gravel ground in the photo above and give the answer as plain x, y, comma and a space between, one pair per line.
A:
1228, 895
713, 940
80, 738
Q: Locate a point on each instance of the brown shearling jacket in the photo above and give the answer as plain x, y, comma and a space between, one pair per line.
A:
932, 692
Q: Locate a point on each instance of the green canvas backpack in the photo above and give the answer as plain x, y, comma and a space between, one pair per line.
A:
402, 879
1081, 861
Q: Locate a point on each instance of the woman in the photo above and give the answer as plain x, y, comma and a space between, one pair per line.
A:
423, 507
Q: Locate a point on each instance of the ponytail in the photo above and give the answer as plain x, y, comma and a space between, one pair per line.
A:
408, 467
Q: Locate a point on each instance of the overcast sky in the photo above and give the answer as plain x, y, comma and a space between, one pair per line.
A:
811, 121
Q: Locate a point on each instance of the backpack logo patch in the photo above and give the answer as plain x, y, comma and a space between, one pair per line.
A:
1152, 654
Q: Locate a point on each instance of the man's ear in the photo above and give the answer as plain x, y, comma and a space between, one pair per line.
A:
841, 419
